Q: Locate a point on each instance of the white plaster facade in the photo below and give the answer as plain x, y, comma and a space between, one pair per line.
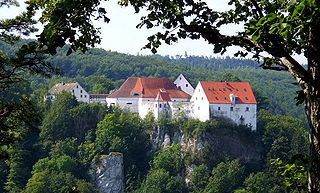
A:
73, 88
209, 100
98, 98
200, 104
184, 84
240, 113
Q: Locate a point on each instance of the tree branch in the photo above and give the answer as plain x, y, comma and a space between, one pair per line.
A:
255, 4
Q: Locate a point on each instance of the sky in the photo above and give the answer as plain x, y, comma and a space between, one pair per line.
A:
121, 34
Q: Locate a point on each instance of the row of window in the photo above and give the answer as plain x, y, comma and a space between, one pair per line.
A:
231, 108
160, 105
80, 91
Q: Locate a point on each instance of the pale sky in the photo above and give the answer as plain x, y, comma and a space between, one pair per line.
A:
121, 35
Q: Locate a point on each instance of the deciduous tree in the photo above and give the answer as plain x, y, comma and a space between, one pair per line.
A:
273, 31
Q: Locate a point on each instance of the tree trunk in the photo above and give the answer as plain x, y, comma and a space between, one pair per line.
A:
313, 106
314, 172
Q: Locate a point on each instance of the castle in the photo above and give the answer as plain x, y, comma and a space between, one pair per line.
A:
161, 96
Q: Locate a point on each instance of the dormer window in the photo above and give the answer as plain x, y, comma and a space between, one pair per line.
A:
77, 86
135, 94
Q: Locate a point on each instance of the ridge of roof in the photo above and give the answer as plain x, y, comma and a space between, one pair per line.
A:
186, 79
148, 88
59, 87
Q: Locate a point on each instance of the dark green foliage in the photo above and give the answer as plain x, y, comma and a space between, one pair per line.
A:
293, 173
170, 159
58, 122
52, 181
67, 118
160, 181
262, 182
122, 132
282, 136
3, 175
22, 156
226, 176
199, 178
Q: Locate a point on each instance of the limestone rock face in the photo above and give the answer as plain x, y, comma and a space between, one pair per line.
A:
108, 174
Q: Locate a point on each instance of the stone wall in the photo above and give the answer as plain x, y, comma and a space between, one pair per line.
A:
107, 173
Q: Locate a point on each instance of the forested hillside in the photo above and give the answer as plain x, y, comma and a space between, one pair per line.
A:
68, 136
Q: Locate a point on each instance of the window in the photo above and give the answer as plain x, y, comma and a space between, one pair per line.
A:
129, 103
179, 109
80, 96
247, 108
77, 86
245, 90
201, 98
196, 98
180, 78
85, 96
164, 105
159, 105
179, 87
219, 108
187, 85
156, 105
72, 91
198, 108
80, 91
231, 108
199, 89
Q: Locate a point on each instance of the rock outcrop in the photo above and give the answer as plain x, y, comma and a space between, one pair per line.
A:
107, 173
214, 144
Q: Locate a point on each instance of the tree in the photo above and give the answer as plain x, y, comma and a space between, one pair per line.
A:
199, 178
160, 181
261, 182
278, 28
65, 22
58, 122
123, 132
169, 159
226, 176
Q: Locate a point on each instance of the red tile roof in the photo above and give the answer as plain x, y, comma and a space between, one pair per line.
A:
219, 92
163, 96
147, 88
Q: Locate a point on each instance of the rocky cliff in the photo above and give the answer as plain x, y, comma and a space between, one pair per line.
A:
107, 173
213, 144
